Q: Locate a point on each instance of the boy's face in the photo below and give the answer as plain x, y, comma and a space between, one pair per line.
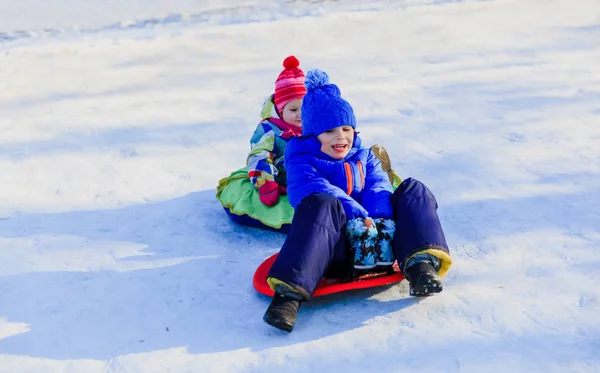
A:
291, 112
337, 142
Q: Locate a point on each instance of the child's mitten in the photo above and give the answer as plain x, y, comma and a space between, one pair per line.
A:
384, 256
362, 236
269, 193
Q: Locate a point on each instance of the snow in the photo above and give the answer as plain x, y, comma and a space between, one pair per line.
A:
115, 255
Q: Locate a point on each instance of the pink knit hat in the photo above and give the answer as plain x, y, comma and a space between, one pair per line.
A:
290, 83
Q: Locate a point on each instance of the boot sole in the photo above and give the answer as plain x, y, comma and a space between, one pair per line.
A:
426, 289
279, 324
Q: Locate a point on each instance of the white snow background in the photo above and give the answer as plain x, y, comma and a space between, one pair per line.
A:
118, 118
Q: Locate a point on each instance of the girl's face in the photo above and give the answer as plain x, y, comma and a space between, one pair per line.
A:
337, 142
291, 112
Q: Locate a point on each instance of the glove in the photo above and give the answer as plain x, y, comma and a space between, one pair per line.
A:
384, 255
269, 193
282, 190
362, 236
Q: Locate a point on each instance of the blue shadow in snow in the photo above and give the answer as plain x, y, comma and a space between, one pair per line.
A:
28, 102
124, 141
205, 303
106, 313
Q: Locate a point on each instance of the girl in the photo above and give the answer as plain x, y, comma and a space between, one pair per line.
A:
256, 194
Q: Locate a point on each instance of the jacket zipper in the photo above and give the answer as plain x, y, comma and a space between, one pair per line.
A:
349, 178
362, 176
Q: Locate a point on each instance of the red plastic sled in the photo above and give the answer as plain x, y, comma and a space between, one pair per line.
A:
327, 286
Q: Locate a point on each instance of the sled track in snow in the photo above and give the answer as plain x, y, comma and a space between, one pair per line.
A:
239, 14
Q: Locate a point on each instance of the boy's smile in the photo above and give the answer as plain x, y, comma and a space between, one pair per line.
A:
337, 142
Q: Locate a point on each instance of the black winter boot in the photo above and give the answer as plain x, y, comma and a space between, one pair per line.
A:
423, 279
282, 312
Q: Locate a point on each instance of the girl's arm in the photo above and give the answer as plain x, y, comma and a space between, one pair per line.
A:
259, 164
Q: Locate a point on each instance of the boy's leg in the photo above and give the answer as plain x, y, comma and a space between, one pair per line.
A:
315, 245
419, 239
312, 244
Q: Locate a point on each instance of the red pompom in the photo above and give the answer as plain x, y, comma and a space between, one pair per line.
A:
291, 62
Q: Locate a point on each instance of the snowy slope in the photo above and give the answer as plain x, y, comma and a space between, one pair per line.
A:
116, 257
34, 19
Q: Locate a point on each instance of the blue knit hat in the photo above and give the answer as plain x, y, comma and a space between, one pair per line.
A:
323, 107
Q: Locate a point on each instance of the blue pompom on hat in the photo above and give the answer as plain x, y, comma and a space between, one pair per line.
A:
323, 107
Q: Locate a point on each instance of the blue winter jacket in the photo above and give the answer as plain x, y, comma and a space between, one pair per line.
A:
358, 180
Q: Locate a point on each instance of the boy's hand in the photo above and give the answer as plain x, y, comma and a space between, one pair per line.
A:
361, 229
269, 193
362, 238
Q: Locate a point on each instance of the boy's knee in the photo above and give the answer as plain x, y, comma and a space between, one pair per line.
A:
320, 199
321, 208
413, 188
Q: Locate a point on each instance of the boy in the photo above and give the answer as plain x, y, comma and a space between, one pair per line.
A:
346, 212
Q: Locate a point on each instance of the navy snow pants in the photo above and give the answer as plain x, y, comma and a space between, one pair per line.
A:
317, 245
